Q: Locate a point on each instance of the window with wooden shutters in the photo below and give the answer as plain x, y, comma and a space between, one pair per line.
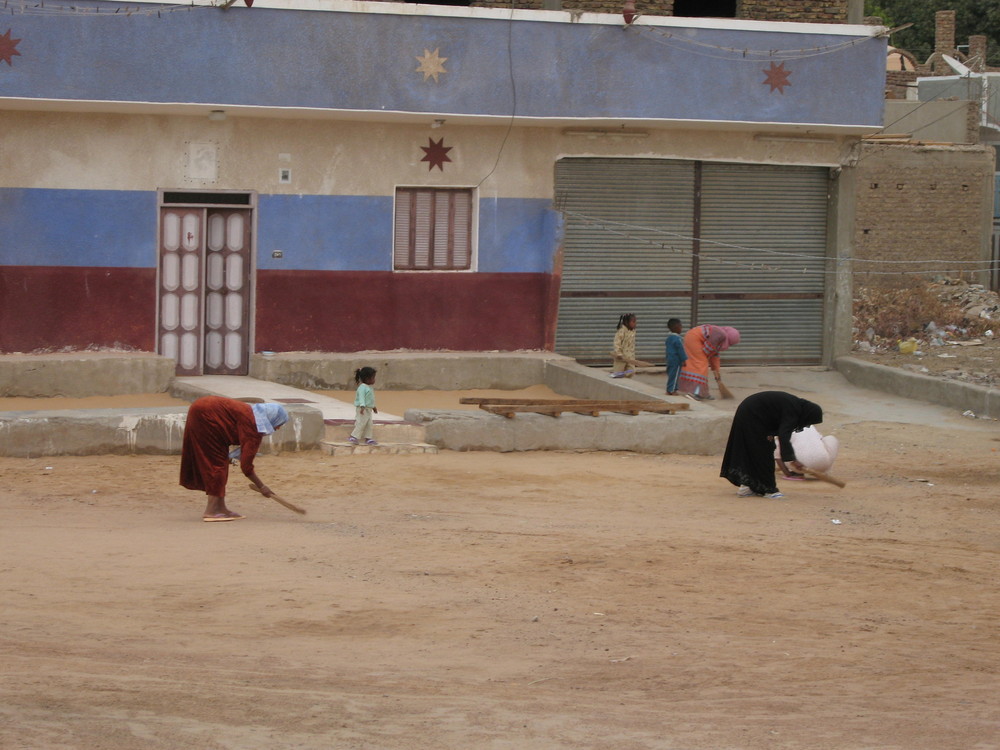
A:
433, 229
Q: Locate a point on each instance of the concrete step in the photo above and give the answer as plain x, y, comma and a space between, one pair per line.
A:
344, 448
338, 431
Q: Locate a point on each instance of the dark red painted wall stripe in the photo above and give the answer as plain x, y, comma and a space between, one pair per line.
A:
52, 307
45, 307
352, 311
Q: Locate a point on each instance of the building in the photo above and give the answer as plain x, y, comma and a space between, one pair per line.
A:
327, 175
927, 186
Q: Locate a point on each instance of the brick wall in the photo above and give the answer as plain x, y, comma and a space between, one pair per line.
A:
920, 202
822, 11
814, 11
646, 7
898, 81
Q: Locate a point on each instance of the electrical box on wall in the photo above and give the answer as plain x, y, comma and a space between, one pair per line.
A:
284, 176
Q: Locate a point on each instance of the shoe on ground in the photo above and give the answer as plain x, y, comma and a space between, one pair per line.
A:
369, 441
774, 495
745, 491
353, 440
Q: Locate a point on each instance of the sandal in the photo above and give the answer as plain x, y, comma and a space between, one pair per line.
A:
222, 517
369, 441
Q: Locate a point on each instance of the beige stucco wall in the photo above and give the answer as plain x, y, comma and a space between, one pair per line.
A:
944, 121
336, 157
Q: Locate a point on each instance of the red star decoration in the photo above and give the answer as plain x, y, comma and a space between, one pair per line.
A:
436, 154
8, 47
777, 77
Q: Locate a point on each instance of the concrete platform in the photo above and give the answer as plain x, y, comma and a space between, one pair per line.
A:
320, 419
235, 386
393, 434
31, 434
332, 448
856, 391
79, 374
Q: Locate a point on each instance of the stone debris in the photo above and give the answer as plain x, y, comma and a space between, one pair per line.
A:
951, 319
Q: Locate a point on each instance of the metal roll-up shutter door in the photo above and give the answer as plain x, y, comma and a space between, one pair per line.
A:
627, 248
763, 258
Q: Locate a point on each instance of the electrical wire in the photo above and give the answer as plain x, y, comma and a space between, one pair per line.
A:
746, 55
925, 102
96, 11
603, 223
513, 96
608, 226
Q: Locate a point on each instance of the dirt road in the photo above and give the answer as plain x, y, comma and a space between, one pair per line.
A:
530, 601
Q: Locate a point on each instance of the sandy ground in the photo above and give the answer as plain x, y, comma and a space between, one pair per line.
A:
528, 601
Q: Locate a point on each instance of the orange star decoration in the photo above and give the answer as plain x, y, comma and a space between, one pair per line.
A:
777, 77
436, 154
8, 47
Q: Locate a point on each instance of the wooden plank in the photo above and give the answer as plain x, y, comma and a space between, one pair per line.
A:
624, 406
499, 410
554, 410
476, 400
569, 403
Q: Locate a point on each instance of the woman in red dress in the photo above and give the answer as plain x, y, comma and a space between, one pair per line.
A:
214, 423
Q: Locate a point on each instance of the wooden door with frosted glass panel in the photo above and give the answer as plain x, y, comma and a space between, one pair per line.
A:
205, 289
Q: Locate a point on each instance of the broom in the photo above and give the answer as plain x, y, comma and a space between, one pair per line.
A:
826, 477
723, 391
290, 506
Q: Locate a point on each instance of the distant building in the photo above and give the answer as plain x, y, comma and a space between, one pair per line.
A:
926, 182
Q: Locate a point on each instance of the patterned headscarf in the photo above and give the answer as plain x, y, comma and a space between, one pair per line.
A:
269, 417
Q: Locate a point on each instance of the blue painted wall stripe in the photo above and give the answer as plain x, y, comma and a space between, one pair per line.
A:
109, 228
367, 61
354, 233
103, 228
325, 233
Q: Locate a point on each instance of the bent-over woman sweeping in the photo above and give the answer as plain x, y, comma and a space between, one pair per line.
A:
749, 459
214, 423
703, 344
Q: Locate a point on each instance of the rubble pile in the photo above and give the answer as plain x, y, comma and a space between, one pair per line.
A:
932, 313
977, 302
943, 327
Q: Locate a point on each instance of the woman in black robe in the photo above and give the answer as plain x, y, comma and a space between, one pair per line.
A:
749, 459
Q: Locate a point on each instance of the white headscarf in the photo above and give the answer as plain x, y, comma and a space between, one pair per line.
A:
269, 417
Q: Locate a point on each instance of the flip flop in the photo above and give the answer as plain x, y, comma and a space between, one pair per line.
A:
222, 517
